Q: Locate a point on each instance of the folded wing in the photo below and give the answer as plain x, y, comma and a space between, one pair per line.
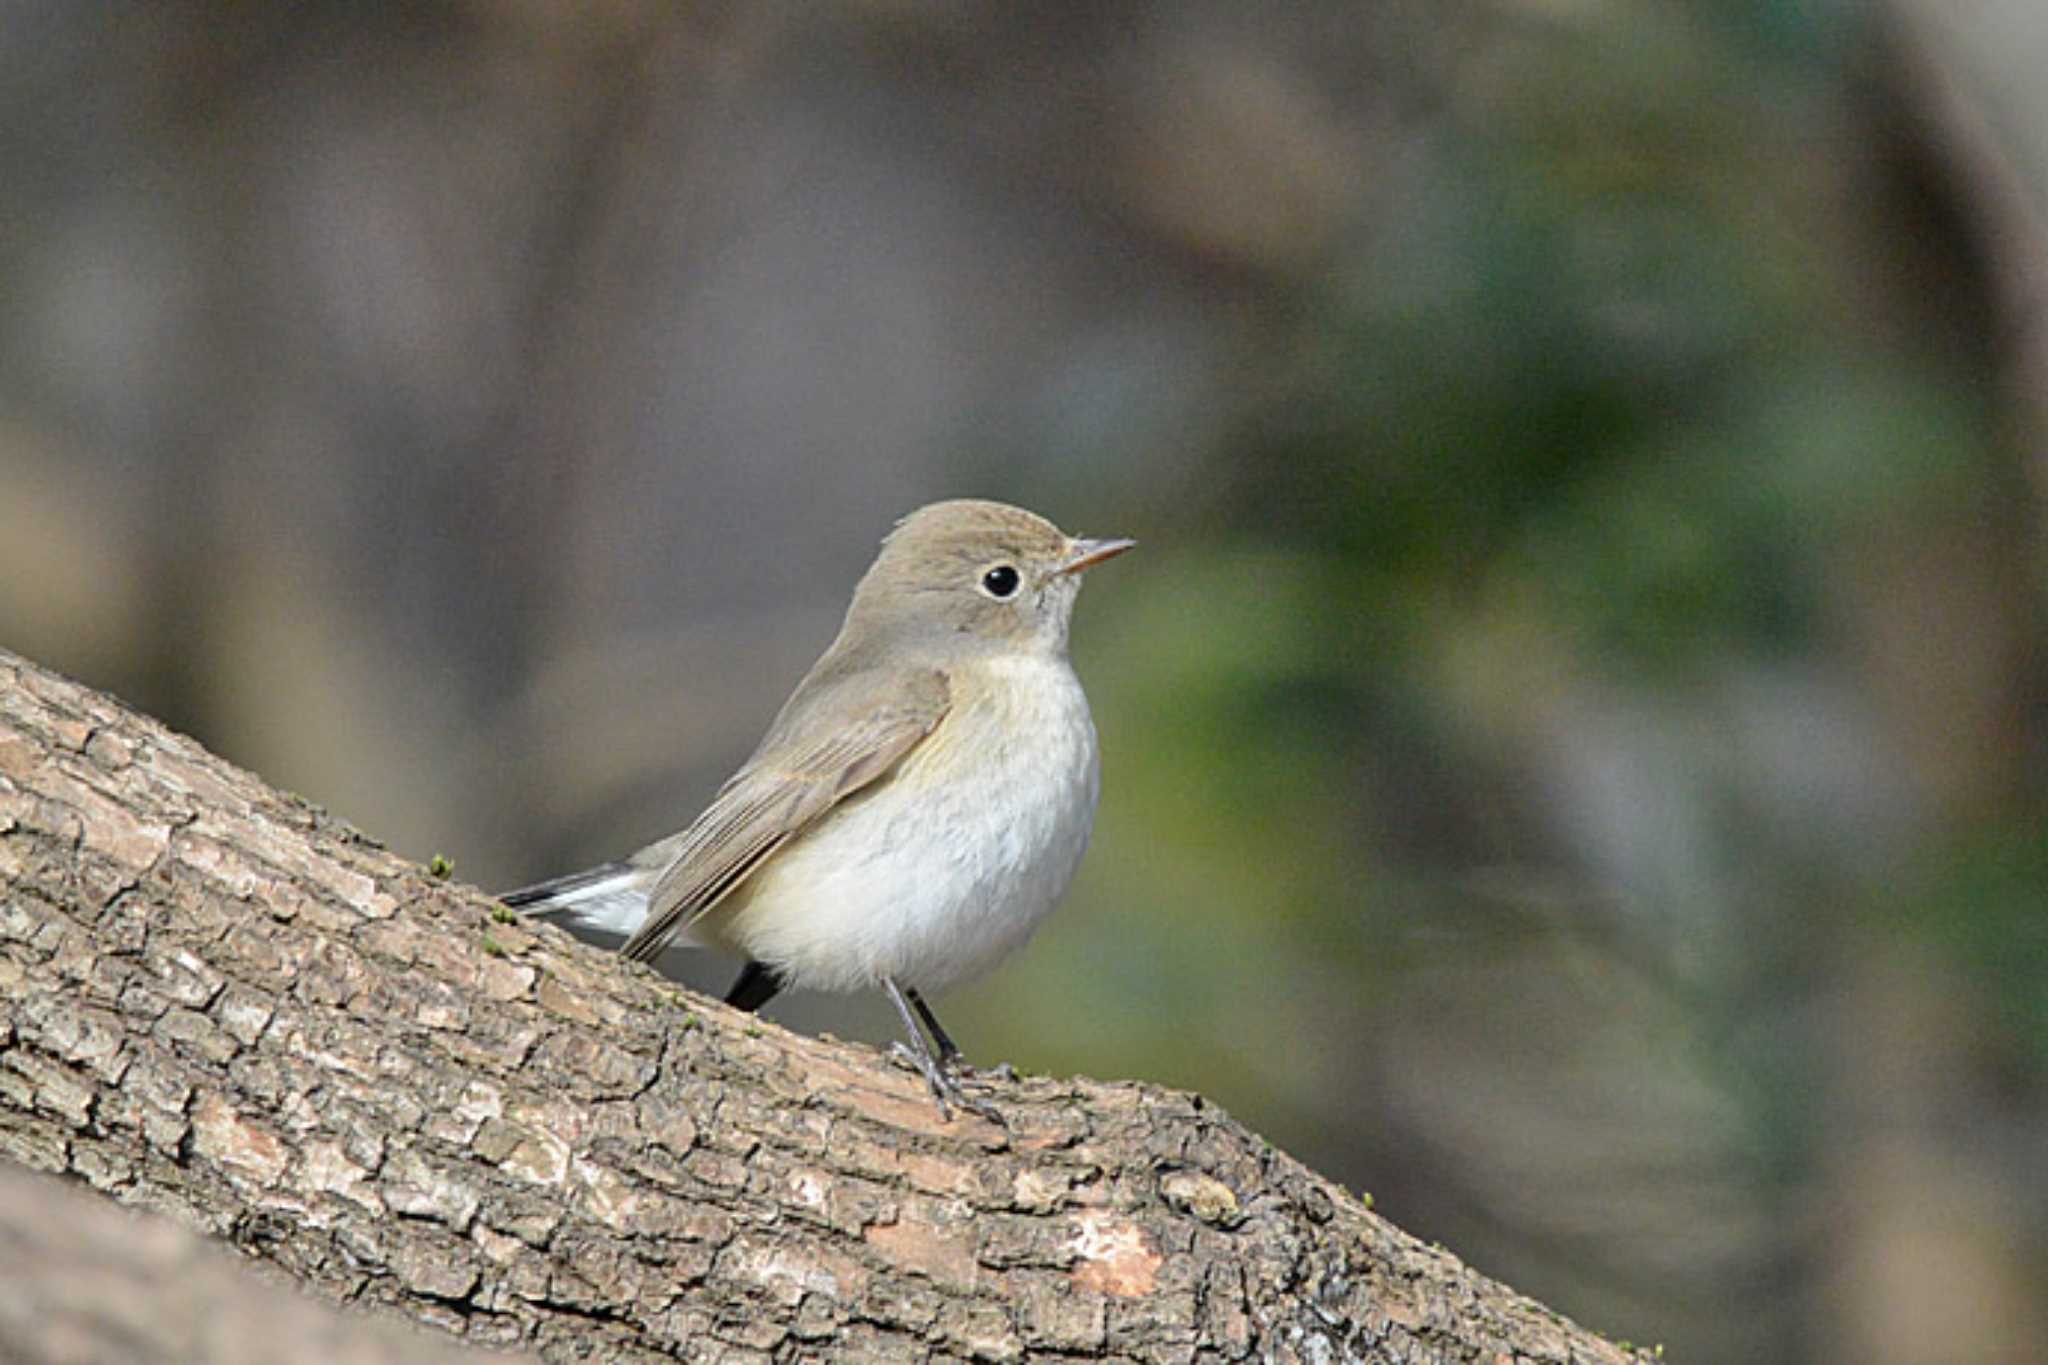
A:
801, 771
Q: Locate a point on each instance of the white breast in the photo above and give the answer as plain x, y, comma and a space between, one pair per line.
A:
946, 866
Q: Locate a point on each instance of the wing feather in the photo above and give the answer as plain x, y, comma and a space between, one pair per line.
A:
791, 781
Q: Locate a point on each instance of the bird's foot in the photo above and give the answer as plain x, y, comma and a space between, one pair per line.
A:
947, 1074
966, 1073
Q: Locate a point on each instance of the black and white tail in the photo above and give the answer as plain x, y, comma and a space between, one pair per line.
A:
606, 906
603, 905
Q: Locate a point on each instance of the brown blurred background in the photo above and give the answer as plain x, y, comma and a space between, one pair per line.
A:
1576, 762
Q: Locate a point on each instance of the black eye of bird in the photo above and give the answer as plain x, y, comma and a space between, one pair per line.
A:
1000, 581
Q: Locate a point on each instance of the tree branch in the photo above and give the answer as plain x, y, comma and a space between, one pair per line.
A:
222, 1004
87, 1281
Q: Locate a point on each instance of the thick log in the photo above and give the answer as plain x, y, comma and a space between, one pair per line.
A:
86, 1280
219, 1003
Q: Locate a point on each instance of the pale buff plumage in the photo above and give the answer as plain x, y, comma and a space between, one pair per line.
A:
920, 803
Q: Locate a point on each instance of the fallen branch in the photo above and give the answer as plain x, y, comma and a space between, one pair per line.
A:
219, 1003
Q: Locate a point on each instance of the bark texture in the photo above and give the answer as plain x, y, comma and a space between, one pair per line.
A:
219, 1003
87, 1281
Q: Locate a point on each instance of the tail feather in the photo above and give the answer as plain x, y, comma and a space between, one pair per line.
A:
604, 904
549, 896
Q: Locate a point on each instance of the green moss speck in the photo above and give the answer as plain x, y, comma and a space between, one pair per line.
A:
493, 947
504, 914
440, 868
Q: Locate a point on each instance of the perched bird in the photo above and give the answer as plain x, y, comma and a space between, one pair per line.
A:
917, 807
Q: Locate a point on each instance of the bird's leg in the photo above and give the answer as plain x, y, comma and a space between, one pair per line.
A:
756, 986
937, 1071
949, 1052
950, 1056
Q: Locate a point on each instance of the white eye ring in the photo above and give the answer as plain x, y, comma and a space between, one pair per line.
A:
1000, 581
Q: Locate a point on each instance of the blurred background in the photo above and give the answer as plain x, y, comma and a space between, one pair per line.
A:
1573, 733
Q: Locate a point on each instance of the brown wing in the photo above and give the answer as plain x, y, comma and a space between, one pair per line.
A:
797, 775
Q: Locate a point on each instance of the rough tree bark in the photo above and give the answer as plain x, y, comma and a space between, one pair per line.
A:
86, 1282
223, 1005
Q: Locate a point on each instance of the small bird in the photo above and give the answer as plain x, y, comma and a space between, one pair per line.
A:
916, 809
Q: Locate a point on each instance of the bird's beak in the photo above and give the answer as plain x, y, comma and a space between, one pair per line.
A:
1086, 554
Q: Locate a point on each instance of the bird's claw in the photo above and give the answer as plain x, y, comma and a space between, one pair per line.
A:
946, 1075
